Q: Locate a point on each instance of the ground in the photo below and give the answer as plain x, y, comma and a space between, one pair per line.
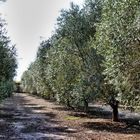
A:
27, 117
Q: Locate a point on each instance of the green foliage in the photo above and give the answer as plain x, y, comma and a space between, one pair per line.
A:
7, 63
6, 88
66, 62
93, 54
118, 41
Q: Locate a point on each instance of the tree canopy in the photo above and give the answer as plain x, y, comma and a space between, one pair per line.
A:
8, 62
93, 55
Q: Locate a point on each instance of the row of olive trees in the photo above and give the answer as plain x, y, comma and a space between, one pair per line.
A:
7, 63
118, 41
94, 54
66, 65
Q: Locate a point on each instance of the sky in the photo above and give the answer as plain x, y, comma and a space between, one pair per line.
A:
29, 22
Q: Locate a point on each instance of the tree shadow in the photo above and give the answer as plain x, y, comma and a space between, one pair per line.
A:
93, 112
71, 109
47, 129
34, 107
4, 127
8, 109
115, 127
6, 116
22, 117
25, 104
80, 115
97, 112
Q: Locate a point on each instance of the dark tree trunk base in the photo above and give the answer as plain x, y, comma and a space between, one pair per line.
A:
114, 104
85, 106
115, 114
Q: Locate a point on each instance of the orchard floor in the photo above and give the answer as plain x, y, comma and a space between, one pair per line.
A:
27, 117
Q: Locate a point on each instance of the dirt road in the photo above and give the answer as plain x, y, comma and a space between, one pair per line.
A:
26, 117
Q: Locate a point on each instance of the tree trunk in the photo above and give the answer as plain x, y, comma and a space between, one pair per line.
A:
114, 104
68, 102
115, 114
85, 106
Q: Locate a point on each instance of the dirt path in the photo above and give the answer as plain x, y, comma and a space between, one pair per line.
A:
26, 117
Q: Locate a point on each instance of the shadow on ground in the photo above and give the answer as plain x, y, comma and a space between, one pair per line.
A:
31, 120
100, 120
113, 127
94, 112
104, 123
19, 117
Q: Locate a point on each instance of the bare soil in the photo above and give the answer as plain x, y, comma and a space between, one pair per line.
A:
27, 117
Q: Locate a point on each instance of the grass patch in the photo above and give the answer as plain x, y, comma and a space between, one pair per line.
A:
71, 118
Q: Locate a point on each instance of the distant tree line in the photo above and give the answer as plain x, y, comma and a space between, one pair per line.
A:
93, 55
8, 63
